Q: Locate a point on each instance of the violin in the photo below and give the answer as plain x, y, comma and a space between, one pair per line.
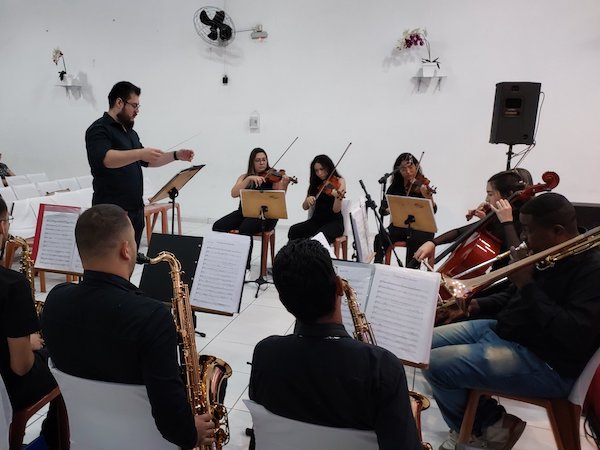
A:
414, 186
275, 176
332, 183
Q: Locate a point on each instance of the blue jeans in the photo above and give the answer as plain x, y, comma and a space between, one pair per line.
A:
470, 355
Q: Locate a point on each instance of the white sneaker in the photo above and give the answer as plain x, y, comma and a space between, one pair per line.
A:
506, 432
451, 443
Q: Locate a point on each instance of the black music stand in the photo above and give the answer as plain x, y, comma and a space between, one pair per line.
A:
412, 213
155, 278
263, 205
173, 186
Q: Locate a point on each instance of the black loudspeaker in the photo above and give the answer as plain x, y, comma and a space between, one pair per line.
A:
515, 113
156, 280
588, 215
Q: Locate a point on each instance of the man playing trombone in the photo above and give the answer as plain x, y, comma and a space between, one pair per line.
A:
533, 339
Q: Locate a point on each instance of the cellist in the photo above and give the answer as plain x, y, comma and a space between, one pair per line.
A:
506, 228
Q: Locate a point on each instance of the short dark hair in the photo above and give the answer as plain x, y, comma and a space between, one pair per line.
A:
123, 89
510, 181
3, 207
550, 209
99, 230
305, 279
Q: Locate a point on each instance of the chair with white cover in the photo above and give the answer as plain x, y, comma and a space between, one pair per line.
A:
273, 432
108, 415
48, 187
85, 181
68, 183
8, 195
5, 416
564, 413
24, 191
15, 180
37, 177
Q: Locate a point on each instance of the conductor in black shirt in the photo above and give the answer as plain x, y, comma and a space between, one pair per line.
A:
116, 155
320, 374
105, 329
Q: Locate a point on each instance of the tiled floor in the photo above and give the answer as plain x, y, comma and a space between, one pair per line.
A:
233, 339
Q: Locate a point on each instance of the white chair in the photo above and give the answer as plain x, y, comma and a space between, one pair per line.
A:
37, 177
68, 183
5, 416
24, 191
70, 198
24, 219
273, 432
15, 180
108, 415
8, 195
85, 181
48, 187
564, 413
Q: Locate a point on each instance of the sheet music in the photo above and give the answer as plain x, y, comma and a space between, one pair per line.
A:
359, 276
401, 310
219, 277
56, 248
360, 231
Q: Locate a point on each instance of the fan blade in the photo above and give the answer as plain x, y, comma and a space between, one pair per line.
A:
213, 33
225, 32
205, 19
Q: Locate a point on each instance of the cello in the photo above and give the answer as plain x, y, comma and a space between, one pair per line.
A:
476, 245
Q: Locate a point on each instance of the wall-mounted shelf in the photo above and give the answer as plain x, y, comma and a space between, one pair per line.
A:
420, 79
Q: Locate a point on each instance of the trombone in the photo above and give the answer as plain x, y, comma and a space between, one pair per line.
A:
462, 290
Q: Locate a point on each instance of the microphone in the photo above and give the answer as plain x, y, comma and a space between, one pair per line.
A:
383, 179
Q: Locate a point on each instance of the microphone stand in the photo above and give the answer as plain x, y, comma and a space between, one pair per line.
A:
382, 230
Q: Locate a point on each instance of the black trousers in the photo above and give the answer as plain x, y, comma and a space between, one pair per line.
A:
311, 227
138, 221
246, 225
416, 239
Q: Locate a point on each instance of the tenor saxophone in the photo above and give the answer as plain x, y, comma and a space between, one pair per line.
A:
204, 374
26, 266
364, 333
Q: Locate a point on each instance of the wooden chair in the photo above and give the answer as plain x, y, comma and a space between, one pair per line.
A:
341, 242
563, 413
388, 252
151, 213
267, 239
21, 417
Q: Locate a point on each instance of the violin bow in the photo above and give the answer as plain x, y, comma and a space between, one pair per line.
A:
286, 150
183, 142
333, 170
415, 179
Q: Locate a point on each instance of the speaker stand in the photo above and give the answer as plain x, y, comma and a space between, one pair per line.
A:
509, 155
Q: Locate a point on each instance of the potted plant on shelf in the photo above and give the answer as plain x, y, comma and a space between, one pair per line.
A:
418, 38
57, 55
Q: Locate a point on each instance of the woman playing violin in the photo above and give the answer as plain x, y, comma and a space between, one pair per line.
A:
408, 180
324, 198
254, 178
506, 229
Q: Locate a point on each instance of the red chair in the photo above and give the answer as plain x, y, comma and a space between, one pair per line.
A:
388, 252
21, 417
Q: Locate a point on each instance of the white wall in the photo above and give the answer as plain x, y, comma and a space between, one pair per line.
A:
327, 73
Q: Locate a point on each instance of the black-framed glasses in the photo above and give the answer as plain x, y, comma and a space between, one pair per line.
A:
135, 106
9, 219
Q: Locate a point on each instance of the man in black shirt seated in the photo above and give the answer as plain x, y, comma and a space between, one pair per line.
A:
105, 329
320, 374
23, 362
533, 339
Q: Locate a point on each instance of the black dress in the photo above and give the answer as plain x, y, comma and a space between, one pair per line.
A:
323, 220
413, 240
